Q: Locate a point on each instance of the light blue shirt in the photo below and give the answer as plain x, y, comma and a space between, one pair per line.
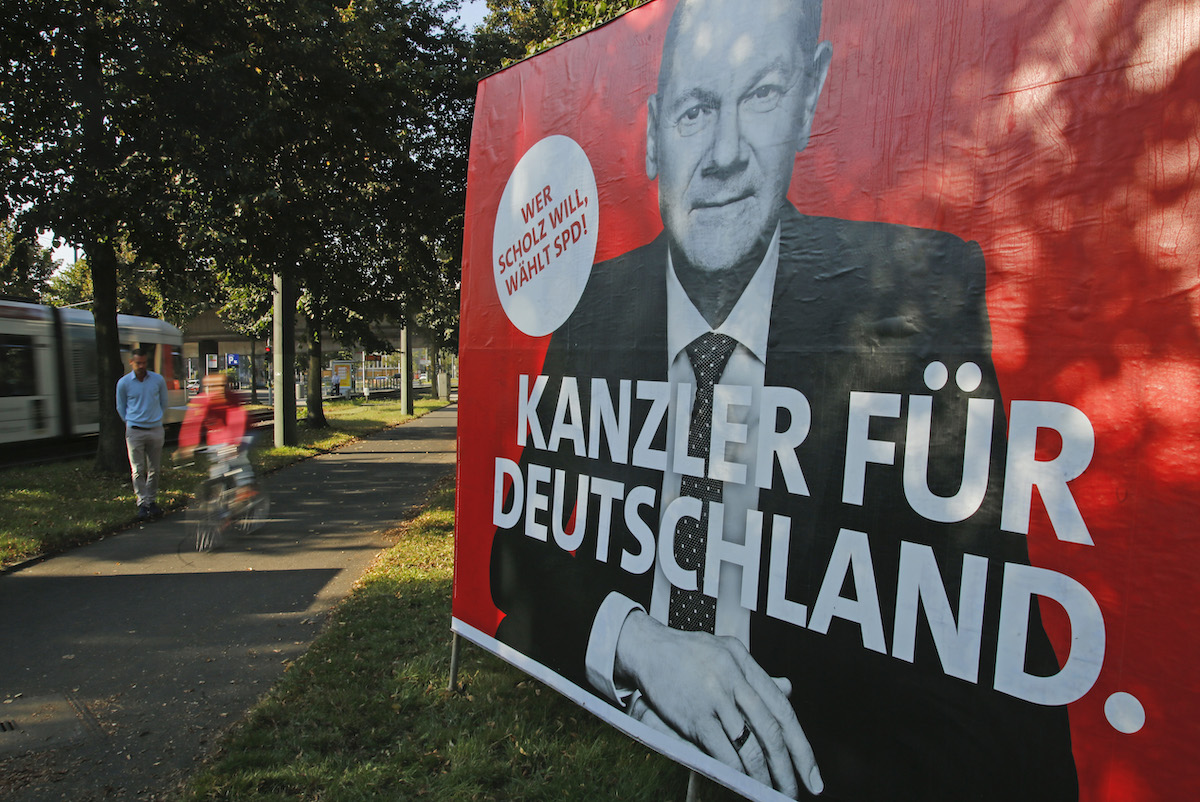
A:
141, 403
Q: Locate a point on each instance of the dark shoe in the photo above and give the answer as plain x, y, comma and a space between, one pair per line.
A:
155, 510
143, 512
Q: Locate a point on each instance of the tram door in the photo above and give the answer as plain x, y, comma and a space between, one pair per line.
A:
82, 384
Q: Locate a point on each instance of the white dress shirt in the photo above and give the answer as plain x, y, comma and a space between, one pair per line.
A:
748, 323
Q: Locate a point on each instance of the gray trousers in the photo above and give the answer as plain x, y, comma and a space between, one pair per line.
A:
145, 453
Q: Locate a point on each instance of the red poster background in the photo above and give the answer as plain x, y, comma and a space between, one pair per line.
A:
1064, 137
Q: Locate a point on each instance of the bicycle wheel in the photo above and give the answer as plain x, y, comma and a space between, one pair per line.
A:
205, 517
254, 505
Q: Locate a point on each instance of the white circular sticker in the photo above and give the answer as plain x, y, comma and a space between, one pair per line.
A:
545, 238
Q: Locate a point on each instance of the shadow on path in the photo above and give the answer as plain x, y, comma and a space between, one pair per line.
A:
127, 657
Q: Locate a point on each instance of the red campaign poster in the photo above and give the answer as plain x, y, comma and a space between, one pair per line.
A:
828, 392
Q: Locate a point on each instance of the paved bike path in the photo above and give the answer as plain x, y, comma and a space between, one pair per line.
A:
122, 661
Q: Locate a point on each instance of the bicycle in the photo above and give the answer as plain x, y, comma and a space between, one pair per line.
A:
229, 500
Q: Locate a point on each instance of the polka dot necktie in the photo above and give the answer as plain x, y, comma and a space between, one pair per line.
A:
690, 609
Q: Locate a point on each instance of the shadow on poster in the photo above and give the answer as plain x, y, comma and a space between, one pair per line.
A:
817, 382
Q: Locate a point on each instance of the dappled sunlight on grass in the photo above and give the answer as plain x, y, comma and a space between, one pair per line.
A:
49, 507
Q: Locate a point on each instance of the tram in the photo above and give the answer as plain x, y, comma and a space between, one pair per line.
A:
48, 376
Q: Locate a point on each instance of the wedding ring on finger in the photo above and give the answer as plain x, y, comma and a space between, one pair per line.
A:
740, 741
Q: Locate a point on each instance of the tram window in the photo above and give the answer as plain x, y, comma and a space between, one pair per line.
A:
177, 367
87, 383
172, 366
83, 363
16, 366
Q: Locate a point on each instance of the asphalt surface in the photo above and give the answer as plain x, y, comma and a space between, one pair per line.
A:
123, 661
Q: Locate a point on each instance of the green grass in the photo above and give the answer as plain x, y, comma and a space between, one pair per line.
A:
47, 508
365, 714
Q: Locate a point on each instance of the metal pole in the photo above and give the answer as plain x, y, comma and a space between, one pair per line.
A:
693, 791
283, 364
366, 385
406, 388
453, 686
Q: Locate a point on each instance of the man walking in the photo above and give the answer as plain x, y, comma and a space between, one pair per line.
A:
141, 400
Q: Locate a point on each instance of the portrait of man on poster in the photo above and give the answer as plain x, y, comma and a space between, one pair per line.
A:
754, 578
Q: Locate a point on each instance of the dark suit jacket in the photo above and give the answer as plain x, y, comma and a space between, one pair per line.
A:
857, 307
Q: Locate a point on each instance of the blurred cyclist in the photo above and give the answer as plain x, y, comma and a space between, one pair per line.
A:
217, 416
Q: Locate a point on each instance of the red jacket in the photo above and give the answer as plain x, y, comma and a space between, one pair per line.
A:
222, 421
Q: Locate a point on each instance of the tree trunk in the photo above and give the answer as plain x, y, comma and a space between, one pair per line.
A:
111, 454
98, 167
435, 368
316, 402
253, 372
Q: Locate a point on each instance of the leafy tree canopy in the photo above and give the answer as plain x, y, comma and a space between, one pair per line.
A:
320, 139
25, 266
515, 29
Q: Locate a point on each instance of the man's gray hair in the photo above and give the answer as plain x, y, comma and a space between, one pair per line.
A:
806, 36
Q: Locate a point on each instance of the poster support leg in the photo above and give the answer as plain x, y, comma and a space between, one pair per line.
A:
453, 686
693, 791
